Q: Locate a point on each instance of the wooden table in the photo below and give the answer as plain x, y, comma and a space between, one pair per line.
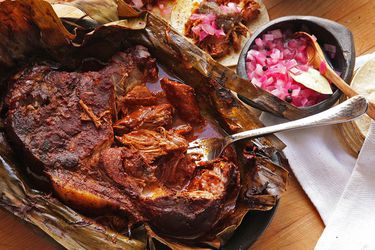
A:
296, 225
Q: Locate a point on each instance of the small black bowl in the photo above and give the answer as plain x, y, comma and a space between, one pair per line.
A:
326, 32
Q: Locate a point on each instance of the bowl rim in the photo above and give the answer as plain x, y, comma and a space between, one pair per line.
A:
343, 37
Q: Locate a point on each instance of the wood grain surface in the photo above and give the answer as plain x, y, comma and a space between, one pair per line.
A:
296, 225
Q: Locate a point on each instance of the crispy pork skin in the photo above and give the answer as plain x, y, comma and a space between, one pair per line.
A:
140, 95
182, 97
92, 195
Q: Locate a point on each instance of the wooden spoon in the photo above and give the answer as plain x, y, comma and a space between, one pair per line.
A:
316, 58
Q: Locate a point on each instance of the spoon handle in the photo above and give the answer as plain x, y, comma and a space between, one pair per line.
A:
344, 112
347, 90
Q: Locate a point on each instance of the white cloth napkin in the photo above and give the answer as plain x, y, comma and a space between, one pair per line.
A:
352, 224
341, 188
319, 162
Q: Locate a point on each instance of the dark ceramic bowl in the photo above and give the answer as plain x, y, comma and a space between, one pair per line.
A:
326, 32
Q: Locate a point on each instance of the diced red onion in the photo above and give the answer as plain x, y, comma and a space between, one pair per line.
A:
259, 70
259, 42
208, 29
207, 26
296, 91
165, 10
295, 71
277, 34
293, 43
196, 30
270, 60
303, 67
249, 57
219, 32
268, 37
256, 82
230, 8
195, 17
138, 3
289, 64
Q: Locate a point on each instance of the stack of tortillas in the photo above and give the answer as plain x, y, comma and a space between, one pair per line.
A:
354, 133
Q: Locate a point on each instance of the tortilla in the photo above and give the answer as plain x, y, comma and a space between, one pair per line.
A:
353, 134
181, 14
363, 82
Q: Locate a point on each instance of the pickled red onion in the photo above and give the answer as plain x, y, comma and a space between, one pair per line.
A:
269, 62
230, 8
138, 3
207, 26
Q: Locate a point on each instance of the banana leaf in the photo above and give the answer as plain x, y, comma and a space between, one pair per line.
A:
31, 30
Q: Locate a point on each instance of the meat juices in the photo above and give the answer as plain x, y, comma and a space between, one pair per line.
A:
64, 122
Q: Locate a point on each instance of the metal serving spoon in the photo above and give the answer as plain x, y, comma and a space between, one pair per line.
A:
211, 148
316, 57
